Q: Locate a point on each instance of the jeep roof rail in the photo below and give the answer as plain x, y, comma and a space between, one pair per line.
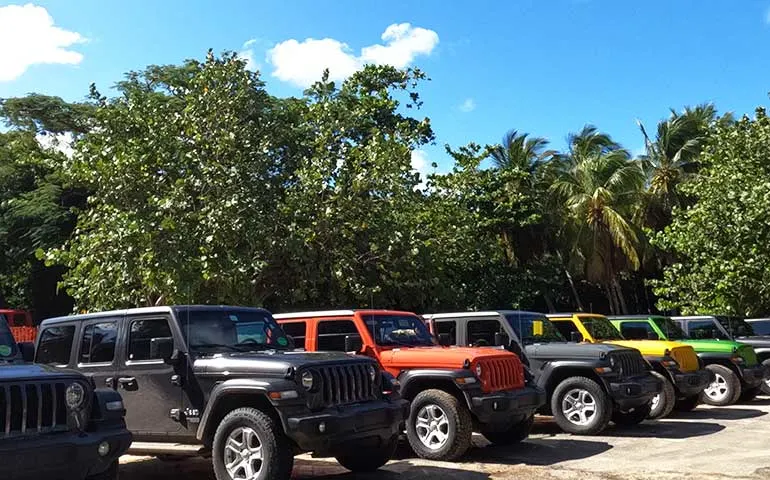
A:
142, 310
479, 314
335, 313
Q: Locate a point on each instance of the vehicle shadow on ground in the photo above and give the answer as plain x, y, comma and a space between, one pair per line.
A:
647, 429
757, 401
723, 413
200, 469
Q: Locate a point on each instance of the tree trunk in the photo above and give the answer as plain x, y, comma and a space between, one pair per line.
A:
611, 299
621, 299
571, 283
549, 303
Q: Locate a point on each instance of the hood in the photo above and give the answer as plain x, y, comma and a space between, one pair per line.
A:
29, 371
756, 341
275, 362
649, 347
437, 357
714, 346
566, 350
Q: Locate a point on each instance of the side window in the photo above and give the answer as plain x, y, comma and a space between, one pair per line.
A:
332, 333
55, 345
297, 331
481, 333
702, 329
449, 328
98, 342
566, 329
19, 320
149, 339
636, 330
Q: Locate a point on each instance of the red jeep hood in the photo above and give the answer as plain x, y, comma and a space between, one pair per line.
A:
437, 357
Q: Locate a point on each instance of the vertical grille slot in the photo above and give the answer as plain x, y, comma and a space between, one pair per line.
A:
342, 384
631, 362
501, 373
32, 407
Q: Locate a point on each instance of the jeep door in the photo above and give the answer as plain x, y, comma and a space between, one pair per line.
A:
152, 389
96, 350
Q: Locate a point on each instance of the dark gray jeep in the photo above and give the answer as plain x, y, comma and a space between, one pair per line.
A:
53, 423
225, 382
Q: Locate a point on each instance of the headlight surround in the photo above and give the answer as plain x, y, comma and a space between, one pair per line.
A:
75, 396
479, 370
307, 380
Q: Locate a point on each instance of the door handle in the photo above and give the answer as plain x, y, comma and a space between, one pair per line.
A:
128, 383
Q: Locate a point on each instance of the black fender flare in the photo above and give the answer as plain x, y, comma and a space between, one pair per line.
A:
720, 358
411, 377
545, 374
242, 385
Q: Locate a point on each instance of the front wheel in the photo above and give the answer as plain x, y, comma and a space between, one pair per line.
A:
110, 474
516, 433
580, 406
249, 445
662, 403
724, 390
439, 426
368, 459
631, 417
766, 382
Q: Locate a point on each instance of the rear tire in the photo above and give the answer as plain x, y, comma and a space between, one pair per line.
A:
277, 456
688, 404
724, 390
368, 459
515, 434
766, 382
632, 417
570, 396
665, 399
435, 416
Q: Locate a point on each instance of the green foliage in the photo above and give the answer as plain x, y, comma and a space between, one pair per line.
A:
720, 242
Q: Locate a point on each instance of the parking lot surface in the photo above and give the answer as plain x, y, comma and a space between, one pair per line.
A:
715, 443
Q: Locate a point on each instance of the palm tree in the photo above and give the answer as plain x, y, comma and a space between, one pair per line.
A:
518, 150
597, 191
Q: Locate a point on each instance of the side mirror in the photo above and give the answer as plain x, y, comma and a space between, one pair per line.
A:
27, 350
652, 336
174, 359
444, 339
501, 339
353, 343
575, 337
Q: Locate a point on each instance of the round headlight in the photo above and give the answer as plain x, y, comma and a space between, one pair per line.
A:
75, 396
478, 370
372, 372
308, 380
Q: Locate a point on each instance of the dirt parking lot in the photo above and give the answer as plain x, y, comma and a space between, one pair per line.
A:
713, 443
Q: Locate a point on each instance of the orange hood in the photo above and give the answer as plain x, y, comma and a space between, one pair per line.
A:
437, 357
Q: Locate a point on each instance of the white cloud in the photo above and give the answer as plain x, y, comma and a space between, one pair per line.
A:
422, 165
61, 142
28, 37
302, 63
468, 105
247, 54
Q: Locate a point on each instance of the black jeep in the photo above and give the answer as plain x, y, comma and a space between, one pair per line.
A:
53, 423
225, 382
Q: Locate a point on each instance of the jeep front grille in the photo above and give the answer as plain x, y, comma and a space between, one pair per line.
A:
686, 358
631, 363
341, 385
32, 407
501, 373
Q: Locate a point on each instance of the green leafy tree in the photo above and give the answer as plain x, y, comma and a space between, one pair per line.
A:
720, 242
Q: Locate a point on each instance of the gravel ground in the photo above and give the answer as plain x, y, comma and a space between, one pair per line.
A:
712, 443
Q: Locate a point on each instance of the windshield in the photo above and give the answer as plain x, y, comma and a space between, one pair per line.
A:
534, 328
240, 330
398, 330
601, 328
7, 344
670, 328
736, 326
761, 327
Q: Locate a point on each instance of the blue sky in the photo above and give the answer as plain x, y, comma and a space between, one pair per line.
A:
543, 67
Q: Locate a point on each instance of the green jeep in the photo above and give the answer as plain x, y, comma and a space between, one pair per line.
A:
734, 364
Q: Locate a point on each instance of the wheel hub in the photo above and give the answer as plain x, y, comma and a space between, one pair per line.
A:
432, 426
243, 454
579, 406
717, 390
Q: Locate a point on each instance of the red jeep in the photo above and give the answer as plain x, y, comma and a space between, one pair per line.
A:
22, 328
453, 390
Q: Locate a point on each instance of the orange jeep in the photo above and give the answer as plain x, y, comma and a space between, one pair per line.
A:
22, 328
453, 390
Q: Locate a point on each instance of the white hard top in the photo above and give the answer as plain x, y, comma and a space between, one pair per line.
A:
476, 314
319, 313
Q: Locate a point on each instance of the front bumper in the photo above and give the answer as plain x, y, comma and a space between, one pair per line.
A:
692, 383
633, 392
347, 425
754, 375
506, 405
62, 456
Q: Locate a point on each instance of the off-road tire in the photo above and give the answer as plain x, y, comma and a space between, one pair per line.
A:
667, 399
765, 385
368, 459
277, 456
749, 394
631, 418
460, 426
687, 404
732, 382
601, 417
110, 474
516, 433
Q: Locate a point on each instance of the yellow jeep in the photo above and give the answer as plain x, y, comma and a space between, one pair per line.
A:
676, 364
